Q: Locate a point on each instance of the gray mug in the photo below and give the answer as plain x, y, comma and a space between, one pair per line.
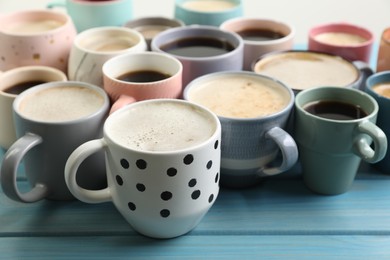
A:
51, 120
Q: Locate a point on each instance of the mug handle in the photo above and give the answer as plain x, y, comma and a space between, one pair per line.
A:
365, 70
288, 148
364, 150
122, 101
73, 163
59, 3
9, 167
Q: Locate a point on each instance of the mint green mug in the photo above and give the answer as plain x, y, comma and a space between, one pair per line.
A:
88, 14
334, 128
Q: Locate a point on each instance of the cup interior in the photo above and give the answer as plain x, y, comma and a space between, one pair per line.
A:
208, 6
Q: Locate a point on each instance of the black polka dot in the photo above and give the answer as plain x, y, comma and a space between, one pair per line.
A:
125, 164
171, 172
209, 164
119, 180
141, 164
188, 159
211, 198
217, 177
192, 183
166, 195
195, 195
141, 187
216, 144
165, 213
132, 206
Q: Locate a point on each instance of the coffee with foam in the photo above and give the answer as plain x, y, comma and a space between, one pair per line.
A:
209, 5
166, 126
340, 38
60, 104
242, 96
34, 26
382, 89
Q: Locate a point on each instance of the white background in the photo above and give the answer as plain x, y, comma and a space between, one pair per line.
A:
302, 14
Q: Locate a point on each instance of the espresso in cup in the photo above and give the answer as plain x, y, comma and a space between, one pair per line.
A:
340, 38
382, 89
144, 76
22, 86
259, 34
209, 5
335, 110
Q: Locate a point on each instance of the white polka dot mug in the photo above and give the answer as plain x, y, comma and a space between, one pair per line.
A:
162, 160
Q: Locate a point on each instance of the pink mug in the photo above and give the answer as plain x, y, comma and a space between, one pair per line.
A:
35, 37
349, 41
132, 77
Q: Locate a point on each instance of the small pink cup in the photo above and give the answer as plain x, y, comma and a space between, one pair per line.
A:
124, 92
349, 41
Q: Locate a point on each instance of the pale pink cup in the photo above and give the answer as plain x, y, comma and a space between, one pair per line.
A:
124, 92
35, 37
350, 51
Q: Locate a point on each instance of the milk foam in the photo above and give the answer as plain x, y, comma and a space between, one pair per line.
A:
240, 97
161, 127
209, 5
340, 38
60, 104
382, 89
37, 26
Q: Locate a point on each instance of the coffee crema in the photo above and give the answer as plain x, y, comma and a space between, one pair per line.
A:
59, 104
33, 26
149, 31
209, 5
18, 88
335, 110
303, 70
101, 44
143, 76
240, 97
165, 126
382, 89
340, 38
258, 34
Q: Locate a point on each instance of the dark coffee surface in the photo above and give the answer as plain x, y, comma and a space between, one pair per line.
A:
22, 86
143, 76
335, 110
198, 47
260, 34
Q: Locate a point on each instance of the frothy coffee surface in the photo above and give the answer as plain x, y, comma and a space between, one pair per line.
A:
240, 96
36, 26
109, 44
61, 104
149, 31
209, 5
163, 126
340, 38
301, 70
382, 89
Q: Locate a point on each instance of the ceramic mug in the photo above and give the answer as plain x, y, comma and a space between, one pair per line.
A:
138, 76
347, 40
12, 83
201, 49
88, 14
93, 47
35, 37
383, 60
261, 36
162, 159
51, 120
253, 111
334, 128
207, 12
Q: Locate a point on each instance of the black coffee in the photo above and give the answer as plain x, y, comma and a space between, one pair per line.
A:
260, 34
143, 76
22, 86
198, 47
335, 110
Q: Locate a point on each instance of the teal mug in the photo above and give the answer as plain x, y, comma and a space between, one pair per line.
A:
334, 128
88, 14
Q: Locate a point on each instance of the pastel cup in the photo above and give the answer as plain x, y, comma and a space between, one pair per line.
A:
350, 41
89, 14
93, 47
334, 129
12, 83
162, 184
253, 111
383, 59
201, 49
207, 12
261, 36
35, 37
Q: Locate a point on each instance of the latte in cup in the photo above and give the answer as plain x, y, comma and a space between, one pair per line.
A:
107, 43
240, 96
382, 89
303, 70
209, 5
61, 104
340, 38
162, 126
33, 26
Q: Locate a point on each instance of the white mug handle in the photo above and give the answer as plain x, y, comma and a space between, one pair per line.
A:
75, 159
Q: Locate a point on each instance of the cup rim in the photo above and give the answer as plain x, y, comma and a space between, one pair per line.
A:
55, 84
205, 110
336, 90
193, 84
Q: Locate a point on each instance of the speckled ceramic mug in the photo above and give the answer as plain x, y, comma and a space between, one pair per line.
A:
162, 161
